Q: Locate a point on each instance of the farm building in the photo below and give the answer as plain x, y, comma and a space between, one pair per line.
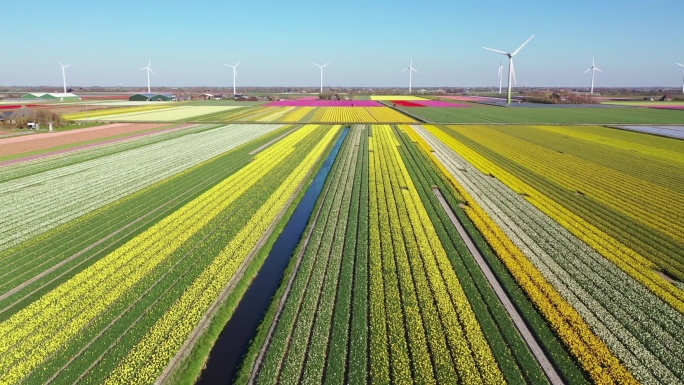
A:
60, 96
152, 98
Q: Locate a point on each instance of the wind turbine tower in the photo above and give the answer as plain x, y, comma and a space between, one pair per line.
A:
593, 70
321, 67
149, 69
234, 73
511, 70
410, 69
64, 74
500, 76
682, 65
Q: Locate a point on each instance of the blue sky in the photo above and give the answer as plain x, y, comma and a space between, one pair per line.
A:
635, 42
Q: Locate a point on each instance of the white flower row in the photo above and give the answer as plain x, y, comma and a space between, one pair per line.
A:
50, 162
639, 328
37, 203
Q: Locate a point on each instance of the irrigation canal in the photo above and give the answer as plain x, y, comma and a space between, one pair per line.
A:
233, 342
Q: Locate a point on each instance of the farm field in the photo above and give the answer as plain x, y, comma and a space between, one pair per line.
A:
379, 309
215, 237
649, 104
312, 114
164, 113
485, 115
396, 97
533, 218
676, 132
23, 146
519, 253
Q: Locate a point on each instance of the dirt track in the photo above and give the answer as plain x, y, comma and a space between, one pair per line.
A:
520, 324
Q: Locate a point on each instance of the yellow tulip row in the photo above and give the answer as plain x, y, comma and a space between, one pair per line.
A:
91, 113
333, 115
347, 114
43, 327
628, 260
448, 323
389, 115
147, 359
591, 352
296, 115
662, 213
276, 115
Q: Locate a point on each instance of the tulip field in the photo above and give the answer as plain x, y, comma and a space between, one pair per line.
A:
493, 252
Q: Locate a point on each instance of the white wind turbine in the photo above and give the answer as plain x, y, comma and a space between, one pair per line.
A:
234, 73
321, 67
511, 70
500, 76
593, 70
148, 74
682, 65
64, 74
410, 69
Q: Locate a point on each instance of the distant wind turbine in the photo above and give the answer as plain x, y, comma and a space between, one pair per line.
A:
500, 76
321, 67
410, 69
64, 74
234, 73
511, 70
149, 69
682, 65
593, 70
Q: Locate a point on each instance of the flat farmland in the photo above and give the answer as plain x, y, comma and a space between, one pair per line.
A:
563, 116
37, 143
436, 253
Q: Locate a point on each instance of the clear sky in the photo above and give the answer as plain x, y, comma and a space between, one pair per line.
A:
636, 42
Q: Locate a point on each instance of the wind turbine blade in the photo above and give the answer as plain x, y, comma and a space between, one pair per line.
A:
317, 65
593, 63
68, 65
150, 69
325, 64
144, 68
63, 64
588, 69
681, 65
496, 50
238, 63
513, 73
597, 69
414, 70
521, 47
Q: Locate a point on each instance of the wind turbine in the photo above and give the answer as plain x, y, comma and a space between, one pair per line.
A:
500, 76
682, 65
64, 74
410, 69
148, 74
321, 67
234, 73
511, 70
593, 70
